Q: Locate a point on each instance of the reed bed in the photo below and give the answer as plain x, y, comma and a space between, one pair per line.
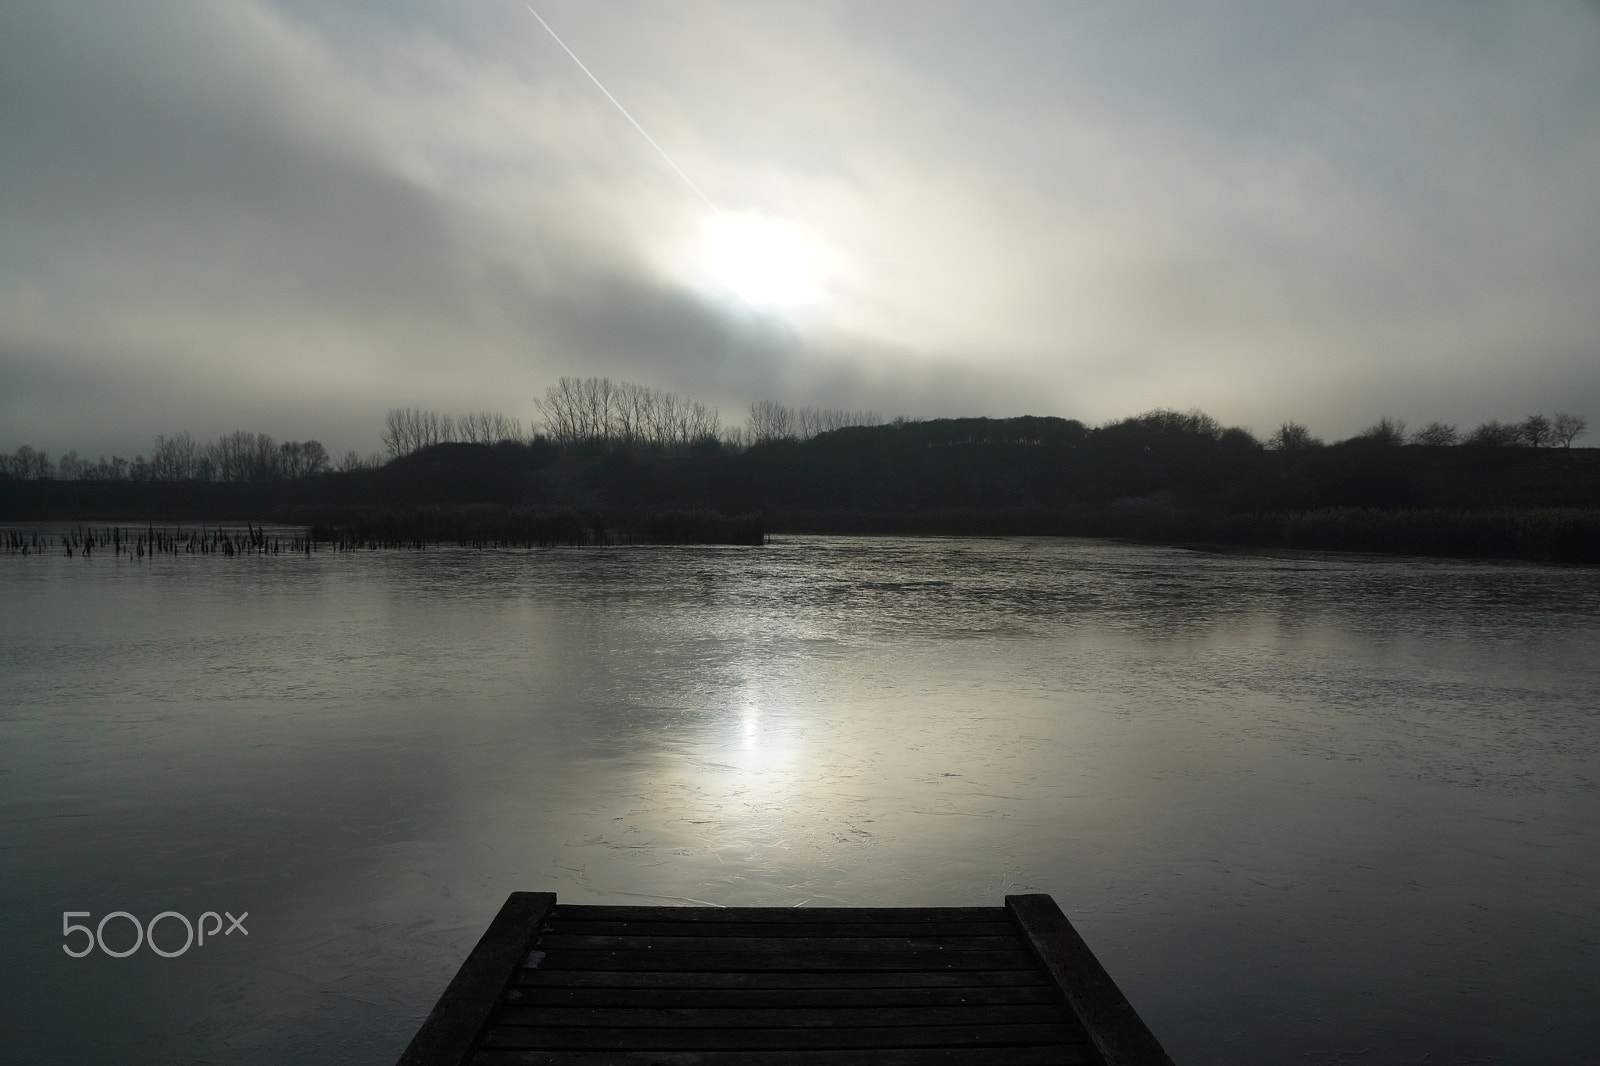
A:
374, 530
151, 540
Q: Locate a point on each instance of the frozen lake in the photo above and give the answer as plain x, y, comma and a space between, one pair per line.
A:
1310, 809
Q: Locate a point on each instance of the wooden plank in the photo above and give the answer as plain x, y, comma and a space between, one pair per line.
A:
1064, 1055
774, 1017
776, 1039
818, 960
889, 927
1116, 1029
1004, 995
803, 915
550, 942
1032, 975
446, 1035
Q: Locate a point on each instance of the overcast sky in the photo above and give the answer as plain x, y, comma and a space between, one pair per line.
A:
289, 217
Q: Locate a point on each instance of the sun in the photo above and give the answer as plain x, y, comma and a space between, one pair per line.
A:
763, 260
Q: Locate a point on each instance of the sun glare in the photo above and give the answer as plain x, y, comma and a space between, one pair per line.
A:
761, 260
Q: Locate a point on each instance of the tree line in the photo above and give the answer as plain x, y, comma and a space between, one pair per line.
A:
236, 456
409, 429
626, 415
598, 414
770, 421
1534, 431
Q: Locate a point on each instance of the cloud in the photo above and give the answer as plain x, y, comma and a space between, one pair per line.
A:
290, 217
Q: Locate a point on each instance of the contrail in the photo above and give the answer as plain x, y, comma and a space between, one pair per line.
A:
624, 111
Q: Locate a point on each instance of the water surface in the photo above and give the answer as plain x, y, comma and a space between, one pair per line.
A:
1320, 809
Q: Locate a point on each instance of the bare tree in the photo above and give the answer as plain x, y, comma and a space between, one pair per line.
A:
70, 468
101, 469
114, 469
1568, 428
668, 422
664, 421
438, 428
504, 427
685, 423
623, 414
1494, 434
230, 456
487, 427
807, 422
1292, 437
814, 421
1535, 431
266, 461
175, 458
353, 460
1387, 431
313, 458
770, 421
409, 429
28, 464
470, 427
242, 456
301, 459
1436, 435
576, 410
593, 402
562, 410
637, 414
704, 423
396, 436
287, 462
205, 464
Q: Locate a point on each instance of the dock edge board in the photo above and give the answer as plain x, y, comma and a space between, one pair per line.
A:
1119, 1034
451, 1028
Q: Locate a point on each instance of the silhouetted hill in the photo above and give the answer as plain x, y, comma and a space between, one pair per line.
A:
1155, 476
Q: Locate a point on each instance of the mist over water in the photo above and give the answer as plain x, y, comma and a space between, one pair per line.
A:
1305, 808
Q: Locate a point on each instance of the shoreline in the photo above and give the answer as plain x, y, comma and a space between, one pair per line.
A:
1550, 535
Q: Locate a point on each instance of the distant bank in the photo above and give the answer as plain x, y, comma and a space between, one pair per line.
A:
1162, 480
1542, 534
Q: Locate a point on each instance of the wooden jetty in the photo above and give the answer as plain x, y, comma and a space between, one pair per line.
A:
557, 984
